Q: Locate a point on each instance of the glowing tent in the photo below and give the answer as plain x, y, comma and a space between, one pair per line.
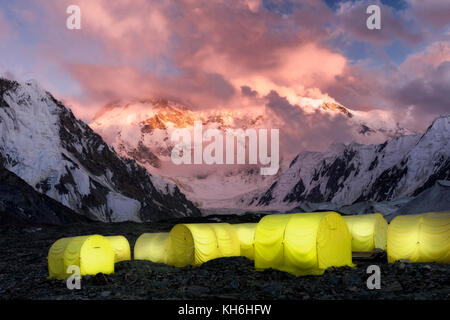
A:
246, 235
368, 231
152, 246
420, 237
121, 248
194, 244
302, 243
93, 254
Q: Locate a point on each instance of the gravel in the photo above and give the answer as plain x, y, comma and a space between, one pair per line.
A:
23, 274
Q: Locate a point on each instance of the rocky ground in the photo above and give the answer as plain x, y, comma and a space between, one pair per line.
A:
23, 273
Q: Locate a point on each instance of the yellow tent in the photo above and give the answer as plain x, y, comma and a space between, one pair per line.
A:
368, 231
121, 248
302, 243
93, 254
246, 235
152, 246
420, 237
194, 244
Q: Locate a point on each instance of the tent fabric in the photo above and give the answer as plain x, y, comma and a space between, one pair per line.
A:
368, 231
194, 244
93, 254
246, 235
420, 237
152, 247
302, 243
121, 248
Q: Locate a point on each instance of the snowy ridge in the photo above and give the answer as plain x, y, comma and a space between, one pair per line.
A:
60, 156
399, 168
141, 130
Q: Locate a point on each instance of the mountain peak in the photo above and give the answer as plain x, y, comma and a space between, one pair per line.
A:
441, 123
401, 167
43, 143
6, 85
336, 107
33, 83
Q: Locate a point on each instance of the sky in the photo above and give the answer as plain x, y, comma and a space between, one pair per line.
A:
212, 54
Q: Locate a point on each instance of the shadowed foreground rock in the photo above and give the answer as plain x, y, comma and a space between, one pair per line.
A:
23, 272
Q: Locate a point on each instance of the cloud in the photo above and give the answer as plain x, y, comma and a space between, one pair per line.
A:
211, 54
215, 54
205, 52
352, 18
423, 83
247, 91
414, 93
430, 94
433, 55
301, 131
434, 13
359, 88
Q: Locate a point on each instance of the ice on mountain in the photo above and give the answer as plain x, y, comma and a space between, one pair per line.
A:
123, 208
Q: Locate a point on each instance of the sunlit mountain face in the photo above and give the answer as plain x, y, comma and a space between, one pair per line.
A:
44, 145
142, 130
312, 70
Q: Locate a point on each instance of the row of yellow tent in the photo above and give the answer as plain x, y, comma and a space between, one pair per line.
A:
302, 243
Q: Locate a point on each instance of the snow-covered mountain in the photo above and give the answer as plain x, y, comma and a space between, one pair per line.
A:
141, 130
399, 168
367, 126
60, 156
20, 203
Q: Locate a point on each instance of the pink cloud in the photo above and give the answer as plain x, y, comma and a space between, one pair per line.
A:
352, 19
422, 84
127, 30
432, 56
435, 13
305, 131
202, 53
214, 47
